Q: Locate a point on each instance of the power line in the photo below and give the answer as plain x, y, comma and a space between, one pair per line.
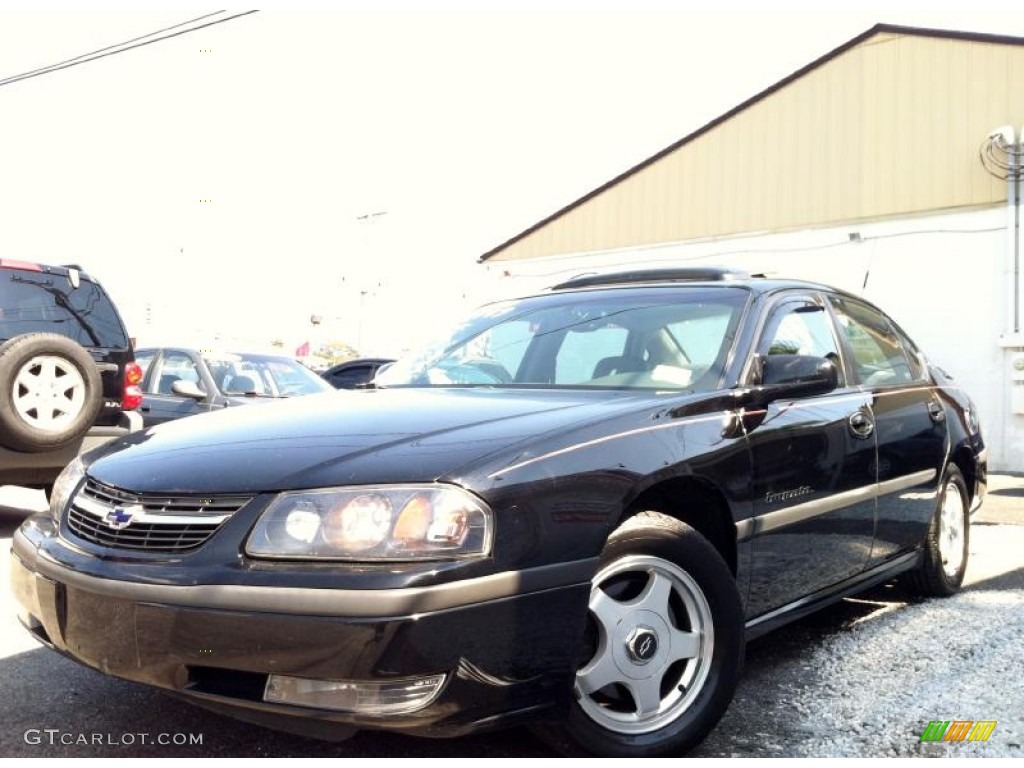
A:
49, 67
122, 47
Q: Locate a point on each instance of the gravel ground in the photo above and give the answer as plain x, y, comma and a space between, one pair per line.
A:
863, 678
956, 675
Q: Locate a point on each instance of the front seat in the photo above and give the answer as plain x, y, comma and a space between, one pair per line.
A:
166, 386
241, 385
619, 364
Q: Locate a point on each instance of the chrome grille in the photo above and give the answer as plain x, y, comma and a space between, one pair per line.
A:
114, 518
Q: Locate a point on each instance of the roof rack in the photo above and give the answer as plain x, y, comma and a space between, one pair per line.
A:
679, 274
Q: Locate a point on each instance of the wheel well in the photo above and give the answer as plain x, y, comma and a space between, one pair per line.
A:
698, 504
964, 461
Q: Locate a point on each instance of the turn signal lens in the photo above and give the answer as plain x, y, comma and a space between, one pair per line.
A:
414, 521
132, 374
370, 697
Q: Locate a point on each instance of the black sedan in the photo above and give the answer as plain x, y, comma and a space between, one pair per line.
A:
571, 512
181, 382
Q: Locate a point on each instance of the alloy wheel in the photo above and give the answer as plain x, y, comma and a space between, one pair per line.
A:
48, 393
655, 639
951, 531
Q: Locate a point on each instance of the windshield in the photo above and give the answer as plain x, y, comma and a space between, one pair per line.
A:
265, 375
674, 338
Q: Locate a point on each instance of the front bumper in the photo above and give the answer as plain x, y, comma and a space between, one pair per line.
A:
508, 643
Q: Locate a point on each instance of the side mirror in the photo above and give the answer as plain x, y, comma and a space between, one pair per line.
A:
188, 389
792, 376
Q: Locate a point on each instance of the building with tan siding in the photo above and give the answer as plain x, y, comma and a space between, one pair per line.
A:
888, 167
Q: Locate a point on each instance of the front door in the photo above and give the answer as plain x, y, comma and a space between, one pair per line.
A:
814, 471
159, 402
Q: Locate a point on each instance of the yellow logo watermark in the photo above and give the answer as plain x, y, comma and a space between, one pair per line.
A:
958, 730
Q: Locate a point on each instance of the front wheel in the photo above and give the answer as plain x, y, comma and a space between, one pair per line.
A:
664, 644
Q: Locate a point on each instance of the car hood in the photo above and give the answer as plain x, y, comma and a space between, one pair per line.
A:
343, 438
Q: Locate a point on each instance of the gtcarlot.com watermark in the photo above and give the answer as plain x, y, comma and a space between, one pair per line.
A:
55, 736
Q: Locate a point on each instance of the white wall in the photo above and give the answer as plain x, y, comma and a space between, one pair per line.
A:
941, 277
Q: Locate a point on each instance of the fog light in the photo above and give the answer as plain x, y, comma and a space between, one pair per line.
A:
392, 697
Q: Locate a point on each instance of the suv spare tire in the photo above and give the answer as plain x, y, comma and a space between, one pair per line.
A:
50, 392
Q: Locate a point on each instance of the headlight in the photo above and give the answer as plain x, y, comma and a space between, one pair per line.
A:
64, 487
971, 416
414, 522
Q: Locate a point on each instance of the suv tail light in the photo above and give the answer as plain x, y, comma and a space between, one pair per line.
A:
132, 397
15, 264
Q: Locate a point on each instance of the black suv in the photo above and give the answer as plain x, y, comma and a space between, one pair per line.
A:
68, 380
572, 510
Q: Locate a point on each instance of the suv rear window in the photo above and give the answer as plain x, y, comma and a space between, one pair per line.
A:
41, 302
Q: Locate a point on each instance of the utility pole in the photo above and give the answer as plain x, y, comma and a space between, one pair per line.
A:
367, 218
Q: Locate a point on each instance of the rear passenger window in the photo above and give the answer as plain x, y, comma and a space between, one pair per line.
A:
878, 354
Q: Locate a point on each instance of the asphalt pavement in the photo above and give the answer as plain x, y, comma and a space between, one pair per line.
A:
860, 678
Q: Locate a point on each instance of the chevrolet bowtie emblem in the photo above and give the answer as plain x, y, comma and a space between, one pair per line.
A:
121, 517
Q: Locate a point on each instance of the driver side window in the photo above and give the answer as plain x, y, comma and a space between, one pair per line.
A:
801, 328
175, 366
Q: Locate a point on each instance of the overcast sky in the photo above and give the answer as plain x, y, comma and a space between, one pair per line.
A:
465, 128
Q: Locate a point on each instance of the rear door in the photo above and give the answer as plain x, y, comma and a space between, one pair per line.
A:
814, 469
910, 425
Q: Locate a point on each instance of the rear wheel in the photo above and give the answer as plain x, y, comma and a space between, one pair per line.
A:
944, 559
665, 644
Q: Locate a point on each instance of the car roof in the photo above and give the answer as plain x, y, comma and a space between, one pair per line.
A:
702, 277
362, 361
217, 353
47, 269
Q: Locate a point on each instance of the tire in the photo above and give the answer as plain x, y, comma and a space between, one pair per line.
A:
946, 546
665, 645
50, 392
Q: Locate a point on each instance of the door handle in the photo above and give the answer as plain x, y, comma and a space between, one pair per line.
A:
145, 409
936, 411
861, 424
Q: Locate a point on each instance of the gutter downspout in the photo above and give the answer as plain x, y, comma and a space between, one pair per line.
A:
1018, 273
1012, 268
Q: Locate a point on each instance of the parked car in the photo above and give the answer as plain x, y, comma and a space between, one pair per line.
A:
183, 382
68, 382
354, 373
570, 511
